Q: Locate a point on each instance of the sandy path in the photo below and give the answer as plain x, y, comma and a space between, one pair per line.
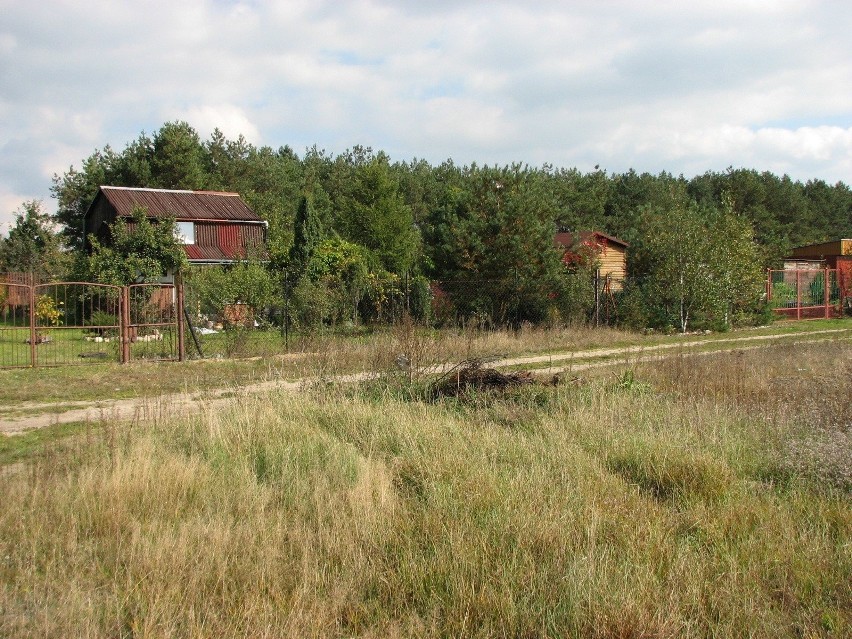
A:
148, 407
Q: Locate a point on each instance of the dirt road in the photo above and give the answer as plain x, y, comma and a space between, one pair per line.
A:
42, 415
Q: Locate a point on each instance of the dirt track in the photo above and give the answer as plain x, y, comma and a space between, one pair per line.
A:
147, 407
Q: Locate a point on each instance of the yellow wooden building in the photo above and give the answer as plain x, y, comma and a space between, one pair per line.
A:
609, 252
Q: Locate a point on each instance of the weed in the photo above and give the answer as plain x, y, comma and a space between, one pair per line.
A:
569, 511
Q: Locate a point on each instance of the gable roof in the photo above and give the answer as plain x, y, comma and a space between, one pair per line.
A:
182, 205
568, 240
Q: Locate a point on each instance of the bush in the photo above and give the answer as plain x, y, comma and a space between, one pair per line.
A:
420, 299
210, 290
631, 307
47, 311
100, 320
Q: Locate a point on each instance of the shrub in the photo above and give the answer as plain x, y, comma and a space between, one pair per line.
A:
47, 311
100, 320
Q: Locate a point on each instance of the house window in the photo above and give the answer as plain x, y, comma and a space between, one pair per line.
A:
186, 232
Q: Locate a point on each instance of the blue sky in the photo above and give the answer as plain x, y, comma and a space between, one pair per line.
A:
655, 86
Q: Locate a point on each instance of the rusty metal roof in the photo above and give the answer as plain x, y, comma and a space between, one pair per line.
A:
567, 240
182, 205
197, 253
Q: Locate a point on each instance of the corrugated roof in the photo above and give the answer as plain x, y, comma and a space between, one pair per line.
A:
182, 205
209, 254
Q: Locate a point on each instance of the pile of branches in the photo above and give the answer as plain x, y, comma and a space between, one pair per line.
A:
472, 375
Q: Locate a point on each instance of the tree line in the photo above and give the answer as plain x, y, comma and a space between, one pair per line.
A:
356, 226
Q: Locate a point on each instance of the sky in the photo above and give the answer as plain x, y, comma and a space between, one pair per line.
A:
681, 87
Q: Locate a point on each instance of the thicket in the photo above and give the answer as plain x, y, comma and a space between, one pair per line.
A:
357, 228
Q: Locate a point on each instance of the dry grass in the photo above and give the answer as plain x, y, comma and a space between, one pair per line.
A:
310, 356
327, 355
802, 393
648, 505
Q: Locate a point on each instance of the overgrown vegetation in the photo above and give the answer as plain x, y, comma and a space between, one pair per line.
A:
640, 505
139, 250
482, 235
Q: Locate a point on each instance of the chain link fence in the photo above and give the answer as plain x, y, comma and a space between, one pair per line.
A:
300, 314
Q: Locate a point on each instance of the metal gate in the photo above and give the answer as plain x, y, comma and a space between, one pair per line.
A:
151, 320
73, 323
806, 294
15, 326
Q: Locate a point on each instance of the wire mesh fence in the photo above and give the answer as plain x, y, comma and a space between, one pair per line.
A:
68, 323
304, 314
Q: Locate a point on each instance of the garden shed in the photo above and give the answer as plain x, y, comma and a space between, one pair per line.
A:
214, 227
820, 256
610, 253
816, 281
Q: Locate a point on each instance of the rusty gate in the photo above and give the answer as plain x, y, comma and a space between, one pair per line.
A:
807, 294
72, 323
152, 324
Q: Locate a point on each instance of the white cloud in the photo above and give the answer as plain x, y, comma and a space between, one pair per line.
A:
10, 203
229, 119
683, 87
819, 144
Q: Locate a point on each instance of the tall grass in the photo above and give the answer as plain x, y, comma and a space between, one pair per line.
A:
639, 506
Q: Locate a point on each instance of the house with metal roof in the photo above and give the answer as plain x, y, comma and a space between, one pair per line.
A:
214, 227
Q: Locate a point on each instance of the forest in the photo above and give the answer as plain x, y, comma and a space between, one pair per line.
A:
698, 252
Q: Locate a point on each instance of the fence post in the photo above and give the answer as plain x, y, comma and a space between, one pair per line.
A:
825, 292
125, 324
407, 294
32, 325
286, 313
181, 327
769, 286
597, 297
798, 295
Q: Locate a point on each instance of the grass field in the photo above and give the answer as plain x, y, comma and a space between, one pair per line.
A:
691, 497
326, 355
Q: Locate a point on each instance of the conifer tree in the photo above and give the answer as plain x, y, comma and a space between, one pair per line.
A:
307, 234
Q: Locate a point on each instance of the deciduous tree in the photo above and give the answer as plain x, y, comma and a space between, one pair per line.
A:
697, 263
143, 251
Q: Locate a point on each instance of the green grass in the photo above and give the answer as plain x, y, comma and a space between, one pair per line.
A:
323, 355
114, 381
74, 346
64, 347
671, 501
35, 443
